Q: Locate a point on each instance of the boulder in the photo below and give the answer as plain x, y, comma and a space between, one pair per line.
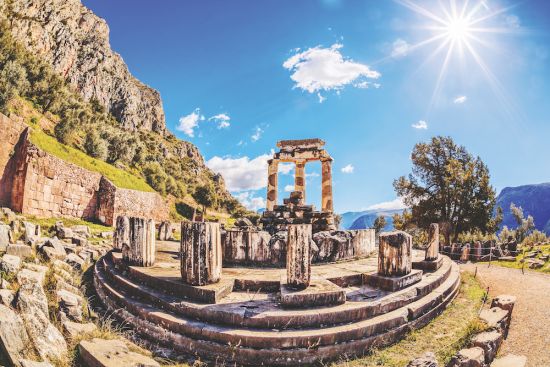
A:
112, 353
6, 297
427, 360
535, 263
4, 237
74, 329
33, 307
82, 230
70, 304
19, 249
14, 340
64, 233
471, 357
79, 240
10, 264
75, 261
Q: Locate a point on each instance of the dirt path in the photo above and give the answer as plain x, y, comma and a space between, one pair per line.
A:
530, 330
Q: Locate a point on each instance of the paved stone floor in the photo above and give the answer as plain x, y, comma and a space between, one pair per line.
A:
530, 330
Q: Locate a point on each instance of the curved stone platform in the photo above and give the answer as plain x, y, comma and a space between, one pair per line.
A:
246, 326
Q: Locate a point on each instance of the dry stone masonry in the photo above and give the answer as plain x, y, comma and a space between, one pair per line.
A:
201, 253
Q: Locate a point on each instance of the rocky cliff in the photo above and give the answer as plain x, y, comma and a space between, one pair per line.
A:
76, 43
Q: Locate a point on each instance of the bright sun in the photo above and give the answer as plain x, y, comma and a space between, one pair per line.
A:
458, 29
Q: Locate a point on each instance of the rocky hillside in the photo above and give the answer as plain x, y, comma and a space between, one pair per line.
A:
365, 219
75, 42
535, 201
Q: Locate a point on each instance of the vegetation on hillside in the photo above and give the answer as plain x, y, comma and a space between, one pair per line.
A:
161, 161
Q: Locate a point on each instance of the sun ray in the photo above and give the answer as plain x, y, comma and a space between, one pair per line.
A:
420, 10
442, 73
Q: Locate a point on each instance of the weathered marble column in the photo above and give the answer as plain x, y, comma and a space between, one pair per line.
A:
201, 252
432, 252
394, 253
326, 188
122, 232
272, 172
140, 250
300, 179
298, 259
165, 231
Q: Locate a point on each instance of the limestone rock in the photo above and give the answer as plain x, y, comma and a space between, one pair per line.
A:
73, 329
427, 360
28, 276
10, 264
70, 304
472, 357
495, 317
6, 297
75, 42
504, 301
4, 237
112, 353
53, 249
75, 261
31, 232
82, 230
79, 240
33, 307
489, 341
7, 214
4, 284
510, 360
14, 339
19, 249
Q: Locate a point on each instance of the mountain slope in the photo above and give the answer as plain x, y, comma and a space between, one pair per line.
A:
75, 42
535, 201
365, 219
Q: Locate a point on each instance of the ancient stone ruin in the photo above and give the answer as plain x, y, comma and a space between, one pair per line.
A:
286, 293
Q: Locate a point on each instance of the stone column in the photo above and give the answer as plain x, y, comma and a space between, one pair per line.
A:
272, 172
478, 250
432, 252
201, 252
122, 233
394, 253
298, 259
140, 250
300, 179
165, 231
326, 188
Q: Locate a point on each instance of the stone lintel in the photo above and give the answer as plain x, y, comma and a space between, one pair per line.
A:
320, 292
301, 143
393, 284
304, 155
428, 265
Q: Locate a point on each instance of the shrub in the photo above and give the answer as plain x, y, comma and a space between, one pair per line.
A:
95, 146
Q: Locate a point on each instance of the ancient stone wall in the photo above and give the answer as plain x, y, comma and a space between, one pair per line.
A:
139, 203
10, 131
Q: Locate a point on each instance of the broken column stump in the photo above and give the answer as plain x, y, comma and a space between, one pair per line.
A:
432, 260
298, 258
122, 232
201, 253
140, 250
165, 231
394, 262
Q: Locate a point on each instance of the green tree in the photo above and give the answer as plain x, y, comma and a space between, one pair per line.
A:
379, 223
525, 225
447, 184
13, 82
205, 196
95, 146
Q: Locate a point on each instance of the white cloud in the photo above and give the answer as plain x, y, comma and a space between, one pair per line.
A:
388, 205
348, 169
400, 48
460, 100
324, 69
420, 125
512, 21
258, 131
188, 123
222, 120
250, 201
285, 168
289, 188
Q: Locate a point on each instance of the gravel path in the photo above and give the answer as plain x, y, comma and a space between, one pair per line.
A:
530, 330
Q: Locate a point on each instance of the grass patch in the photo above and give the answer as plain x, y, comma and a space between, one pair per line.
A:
444, 335
47, 224
117, 176
519, 264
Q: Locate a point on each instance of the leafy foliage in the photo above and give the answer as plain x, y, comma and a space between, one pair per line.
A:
447, 184
525, 225
379, 223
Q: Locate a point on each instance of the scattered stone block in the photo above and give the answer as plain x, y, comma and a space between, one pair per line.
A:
495, 317
28, 363
4, 237
82, 230
10, 264
75, 261
427, 360
504, 301
14, 340
33, 307
507, 258
30, 276
79, 240
6, 297
112, 353
510, 360
141, 248
394, 254
74, 329
535, 263
298, 256
31, 232
201, 253
19, 249
106, 234
319, 293
489, 341
471, 357
4, 284
70, 304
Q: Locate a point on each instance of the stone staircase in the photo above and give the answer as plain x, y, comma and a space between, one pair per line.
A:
249, 327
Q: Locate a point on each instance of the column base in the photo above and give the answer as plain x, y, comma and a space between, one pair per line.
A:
393, 284
428, 265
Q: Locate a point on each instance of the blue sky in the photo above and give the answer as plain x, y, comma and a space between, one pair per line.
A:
236, 76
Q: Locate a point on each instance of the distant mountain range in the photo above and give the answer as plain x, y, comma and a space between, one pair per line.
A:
365, 219
535, 201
